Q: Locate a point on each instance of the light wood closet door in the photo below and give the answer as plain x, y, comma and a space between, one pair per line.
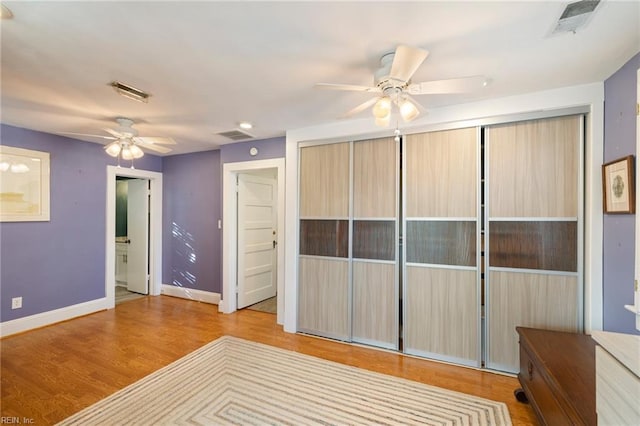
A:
323, 274
375, 225
533, 175
441, 297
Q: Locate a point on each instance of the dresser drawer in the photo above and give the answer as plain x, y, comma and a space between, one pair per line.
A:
541, 397
617, 391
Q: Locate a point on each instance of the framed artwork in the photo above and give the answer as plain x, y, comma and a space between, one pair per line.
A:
24, 185
618, 186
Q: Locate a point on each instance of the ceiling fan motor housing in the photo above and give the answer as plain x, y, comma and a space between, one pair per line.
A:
126, 127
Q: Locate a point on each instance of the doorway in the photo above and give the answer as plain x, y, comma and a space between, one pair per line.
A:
148, 186
231, 171
132, 238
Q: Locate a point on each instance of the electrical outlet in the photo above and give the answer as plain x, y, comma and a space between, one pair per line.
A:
16, 303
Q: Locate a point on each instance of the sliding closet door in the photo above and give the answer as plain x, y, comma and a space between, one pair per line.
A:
442, 291
533, 184
375, 228
323, 275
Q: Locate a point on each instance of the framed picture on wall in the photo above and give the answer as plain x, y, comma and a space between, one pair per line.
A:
24, 185
618, 186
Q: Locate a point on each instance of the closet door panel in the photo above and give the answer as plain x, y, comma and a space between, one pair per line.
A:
441, 174
328, 238
527, 300
533, 168
323, 297
374, 178
375, 313
441, 242
324, 181
441, 306
375, 309
548, 245
374, 239
442, 314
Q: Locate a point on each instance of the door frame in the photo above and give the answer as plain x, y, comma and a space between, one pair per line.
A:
155, 230
228, 302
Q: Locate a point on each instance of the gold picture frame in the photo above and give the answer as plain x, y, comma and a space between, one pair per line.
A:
24, 185
618, 187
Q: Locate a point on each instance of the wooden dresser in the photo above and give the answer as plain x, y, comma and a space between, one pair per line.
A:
557, 374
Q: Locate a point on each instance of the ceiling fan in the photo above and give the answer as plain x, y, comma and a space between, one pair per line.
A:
126, 142
393, 86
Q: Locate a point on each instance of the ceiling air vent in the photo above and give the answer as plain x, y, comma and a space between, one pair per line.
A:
236, 135
574, 16
130, 91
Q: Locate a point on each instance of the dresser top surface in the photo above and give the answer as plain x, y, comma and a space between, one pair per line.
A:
624, 347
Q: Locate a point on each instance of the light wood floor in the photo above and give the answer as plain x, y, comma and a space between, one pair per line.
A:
53, 372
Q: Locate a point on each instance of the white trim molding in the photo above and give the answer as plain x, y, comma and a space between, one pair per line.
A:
191, 294
43, 319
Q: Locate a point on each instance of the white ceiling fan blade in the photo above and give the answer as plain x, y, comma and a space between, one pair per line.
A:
406, 61
91, 136
453, 85
118, 135
360, 108
156, 148
152, 140
349, 87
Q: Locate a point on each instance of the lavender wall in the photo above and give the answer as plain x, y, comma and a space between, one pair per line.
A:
191, 252
192, 198
267, 149
61, 262
619, 230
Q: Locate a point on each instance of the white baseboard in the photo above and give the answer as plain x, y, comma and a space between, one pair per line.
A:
191, 294
19, 325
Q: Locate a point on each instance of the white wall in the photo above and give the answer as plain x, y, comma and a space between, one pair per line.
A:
590, 95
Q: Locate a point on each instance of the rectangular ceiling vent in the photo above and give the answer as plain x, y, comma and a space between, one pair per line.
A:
236, 135
575, 16
130, 91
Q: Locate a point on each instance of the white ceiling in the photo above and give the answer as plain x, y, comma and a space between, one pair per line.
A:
209, 65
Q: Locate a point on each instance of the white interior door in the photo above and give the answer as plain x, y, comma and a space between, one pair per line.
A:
257, 239
138, 235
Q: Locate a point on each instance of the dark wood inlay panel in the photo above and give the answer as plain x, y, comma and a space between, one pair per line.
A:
324, 238
441, 242
534, 245
374, 239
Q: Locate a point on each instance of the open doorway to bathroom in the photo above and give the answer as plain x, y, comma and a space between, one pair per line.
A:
131, 238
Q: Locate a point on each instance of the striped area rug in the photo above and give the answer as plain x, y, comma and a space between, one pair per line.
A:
234, 381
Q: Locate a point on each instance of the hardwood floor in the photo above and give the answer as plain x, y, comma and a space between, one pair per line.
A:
50, 373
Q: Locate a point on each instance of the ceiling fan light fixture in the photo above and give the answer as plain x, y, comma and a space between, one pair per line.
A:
5, 12
408, 110
113, 149
126, 153
382, 108
383, 121
136, 151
